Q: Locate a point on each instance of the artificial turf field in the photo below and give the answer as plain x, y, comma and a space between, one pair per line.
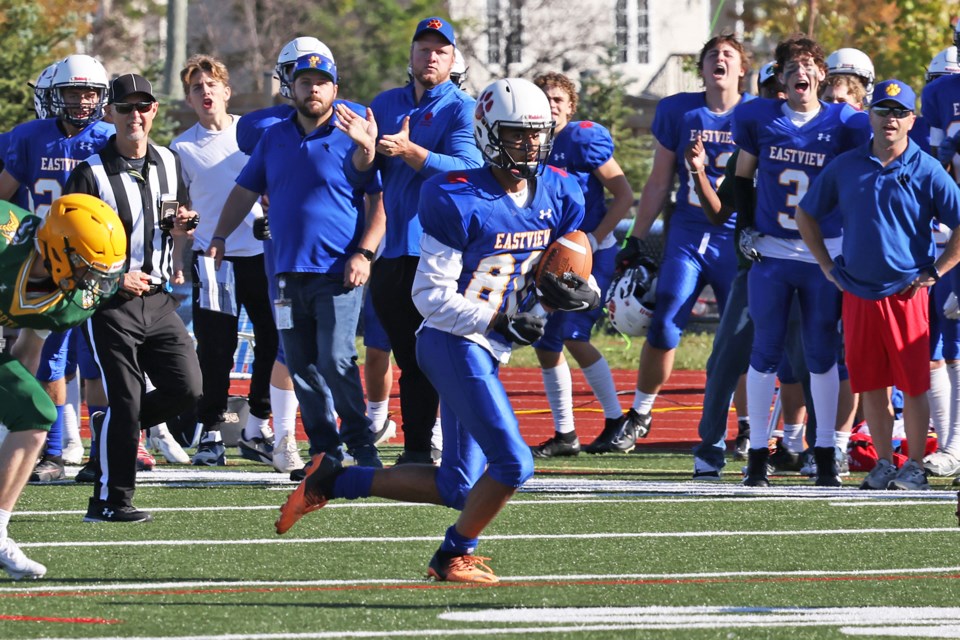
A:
615, 546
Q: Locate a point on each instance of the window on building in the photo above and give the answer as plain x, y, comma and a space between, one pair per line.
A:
515, 36
632, 25
494, 31
621, 31
643, 31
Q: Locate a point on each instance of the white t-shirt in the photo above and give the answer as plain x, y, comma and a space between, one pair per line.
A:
211, 163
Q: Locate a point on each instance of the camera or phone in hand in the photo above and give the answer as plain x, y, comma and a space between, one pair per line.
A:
168, 217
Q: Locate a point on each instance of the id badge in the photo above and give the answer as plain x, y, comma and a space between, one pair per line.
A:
283, 312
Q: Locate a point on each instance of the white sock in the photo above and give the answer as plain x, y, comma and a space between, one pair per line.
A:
601, 383
825, 389
938, 397
760, 388
210, 436
436, 436
4, 521
776, 433
953, 433
558, 384
378, 411
843, 439
254, 427
73, 401
643, 402
793, 437
284, 405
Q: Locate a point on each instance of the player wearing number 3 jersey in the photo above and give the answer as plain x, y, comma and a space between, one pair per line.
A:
787, 143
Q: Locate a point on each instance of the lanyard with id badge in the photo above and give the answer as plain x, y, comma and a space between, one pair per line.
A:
282, 306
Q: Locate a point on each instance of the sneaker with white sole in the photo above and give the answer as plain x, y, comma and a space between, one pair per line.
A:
880, 476
942, 464
258, 448
163, 442
704, 471
385, 433
72, 451
210, 454
17, 564
286, 455
911, 477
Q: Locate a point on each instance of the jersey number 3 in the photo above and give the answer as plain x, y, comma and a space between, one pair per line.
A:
798, 182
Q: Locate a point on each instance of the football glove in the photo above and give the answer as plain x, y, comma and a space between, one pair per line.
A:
628, 255
746, 241
947, 149
569, 292
951, 308
261, 228
523, 328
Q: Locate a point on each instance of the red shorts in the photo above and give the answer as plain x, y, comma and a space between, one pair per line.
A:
887, 342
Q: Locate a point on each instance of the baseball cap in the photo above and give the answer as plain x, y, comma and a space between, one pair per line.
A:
897, 92
436, 25
316, 62
767, 73
127, 84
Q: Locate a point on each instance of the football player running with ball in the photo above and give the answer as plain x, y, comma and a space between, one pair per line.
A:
53, 275
484, 231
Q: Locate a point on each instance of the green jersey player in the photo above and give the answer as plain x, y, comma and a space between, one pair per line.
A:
53, 275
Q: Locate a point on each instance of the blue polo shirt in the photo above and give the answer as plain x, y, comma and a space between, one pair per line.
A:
442, 122
886, 215
316, 215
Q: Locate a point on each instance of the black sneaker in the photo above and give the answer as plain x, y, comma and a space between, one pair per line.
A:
557, 447
757, 468
100, 511
783, 459
828, 471
415, 457
366, 456
88, 472
49, 469
619, 434
742, 444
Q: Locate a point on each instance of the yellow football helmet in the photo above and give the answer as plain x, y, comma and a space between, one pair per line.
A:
83, 244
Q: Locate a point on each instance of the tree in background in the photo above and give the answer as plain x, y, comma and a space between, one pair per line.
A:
34, 33
900, 36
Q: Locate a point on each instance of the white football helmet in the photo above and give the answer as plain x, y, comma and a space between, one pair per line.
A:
516, 103
78, 71
943, 64
287, 60
458, 73
630, 299
42, 92
852, 62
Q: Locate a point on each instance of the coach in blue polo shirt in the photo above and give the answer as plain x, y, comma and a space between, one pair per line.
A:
323, 252
887, 193
410, 134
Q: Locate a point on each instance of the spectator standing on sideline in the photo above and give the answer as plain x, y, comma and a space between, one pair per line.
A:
412, 133
471, 284
888, 193
72, 263
138, 332
584, 149
211, 162
322, 242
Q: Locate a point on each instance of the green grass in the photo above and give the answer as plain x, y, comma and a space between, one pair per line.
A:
609, 536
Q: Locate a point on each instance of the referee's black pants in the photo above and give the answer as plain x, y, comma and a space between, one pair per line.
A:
216, 335
391, 284
130, 338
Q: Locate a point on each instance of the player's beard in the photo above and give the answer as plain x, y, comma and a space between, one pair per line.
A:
313, 109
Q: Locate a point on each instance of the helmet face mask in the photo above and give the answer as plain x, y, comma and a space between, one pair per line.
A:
287, 60
514, 128
42, 92
84, 247
630, 299
78, 72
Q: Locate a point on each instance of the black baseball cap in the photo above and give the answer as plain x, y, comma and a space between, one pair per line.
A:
127, 84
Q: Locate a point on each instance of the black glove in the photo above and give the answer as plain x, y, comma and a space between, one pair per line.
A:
261, 228
567, 293
628, 256
523, 328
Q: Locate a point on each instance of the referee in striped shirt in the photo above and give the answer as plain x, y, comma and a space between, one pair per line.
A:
138, 332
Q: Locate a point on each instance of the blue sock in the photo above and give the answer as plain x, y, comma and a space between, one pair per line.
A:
55, 437
457, 544
93, 436
354, 483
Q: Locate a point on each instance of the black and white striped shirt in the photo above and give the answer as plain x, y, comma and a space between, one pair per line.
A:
136, 196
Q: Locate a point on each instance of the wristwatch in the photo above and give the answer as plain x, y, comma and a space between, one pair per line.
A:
370, 255
934, 272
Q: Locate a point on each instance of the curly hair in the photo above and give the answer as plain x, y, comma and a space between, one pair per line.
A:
799, 45
559, 81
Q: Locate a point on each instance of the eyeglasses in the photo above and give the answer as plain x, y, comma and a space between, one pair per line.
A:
896, 112
127, 107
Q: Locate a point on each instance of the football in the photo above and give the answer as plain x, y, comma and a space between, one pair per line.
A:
567, 253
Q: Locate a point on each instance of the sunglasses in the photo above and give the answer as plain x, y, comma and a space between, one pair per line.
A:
128, 107
896, 112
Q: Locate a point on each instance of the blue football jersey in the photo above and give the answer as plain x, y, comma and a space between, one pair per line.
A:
921, 133
941, 110
676, 123
789, 158
500, 242
41, 158
251, 125
580, 148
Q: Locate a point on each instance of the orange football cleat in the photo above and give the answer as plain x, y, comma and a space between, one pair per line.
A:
461, 569
308, 496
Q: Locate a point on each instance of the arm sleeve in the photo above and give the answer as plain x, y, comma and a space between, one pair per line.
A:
746, 200
81, 181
